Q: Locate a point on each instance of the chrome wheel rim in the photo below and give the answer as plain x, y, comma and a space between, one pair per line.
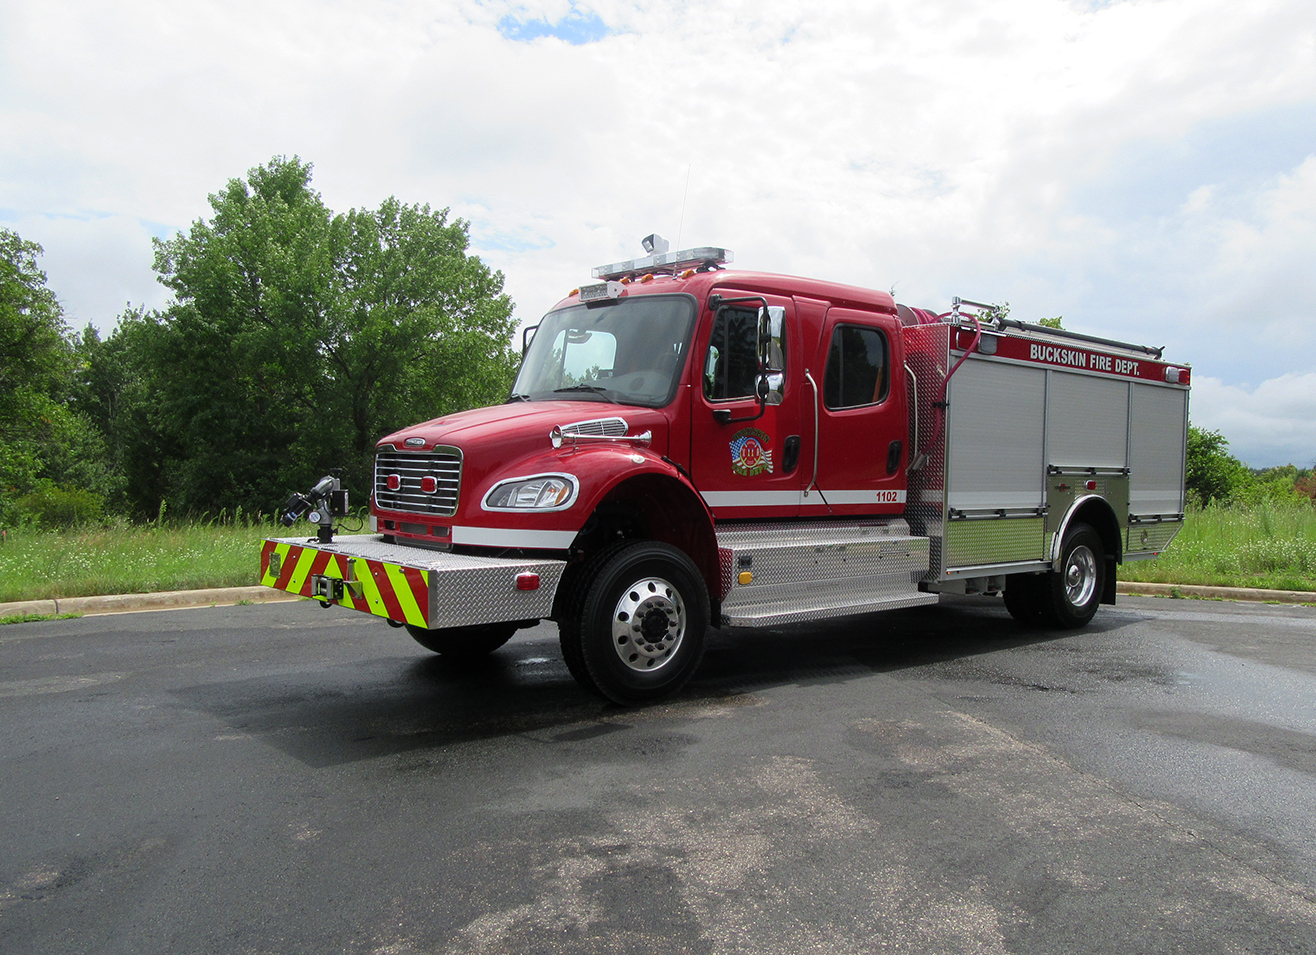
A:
1080, 576
648, 624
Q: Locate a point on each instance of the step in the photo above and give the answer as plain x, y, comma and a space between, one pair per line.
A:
812, 570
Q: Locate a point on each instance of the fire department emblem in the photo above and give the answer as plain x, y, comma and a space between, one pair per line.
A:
749, 452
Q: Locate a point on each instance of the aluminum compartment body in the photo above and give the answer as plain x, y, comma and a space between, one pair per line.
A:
1020, 444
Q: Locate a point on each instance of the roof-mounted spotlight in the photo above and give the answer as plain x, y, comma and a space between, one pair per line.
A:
655, 244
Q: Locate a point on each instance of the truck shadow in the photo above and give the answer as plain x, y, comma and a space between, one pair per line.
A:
392, 705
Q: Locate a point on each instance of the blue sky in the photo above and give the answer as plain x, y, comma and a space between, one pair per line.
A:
577, 26
1146, 168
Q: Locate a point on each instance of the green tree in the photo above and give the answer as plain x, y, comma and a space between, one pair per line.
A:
113, 390
1212, 473
35, 362
297, 337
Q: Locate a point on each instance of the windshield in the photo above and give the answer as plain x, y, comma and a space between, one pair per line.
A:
630, 351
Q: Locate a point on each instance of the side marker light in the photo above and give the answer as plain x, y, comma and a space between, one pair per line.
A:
527, 581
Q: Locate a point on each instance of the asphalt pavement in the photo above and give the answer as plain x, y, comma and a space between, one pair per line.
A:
282, 778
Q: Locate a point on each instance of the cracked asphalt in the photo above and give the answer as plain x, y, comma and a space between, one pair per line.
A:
281, 778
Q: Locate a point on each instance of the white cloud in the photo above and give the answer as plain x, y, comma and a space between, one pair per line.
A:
1273, 424
94, 265
1065, 156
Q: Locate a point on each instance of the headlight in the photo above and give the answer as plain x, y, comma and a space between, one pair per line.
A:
540, 492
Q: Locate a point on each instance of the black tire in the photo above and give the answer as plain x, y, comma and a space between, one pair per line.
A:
575, 588
464, 643
1023, 598
1072, 593
639, 629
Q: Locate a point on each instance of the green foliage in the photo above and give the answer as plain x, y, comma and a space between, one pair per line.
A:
35, 362
296, 339
1212, 474
37, 617
34, 356
1276, 486
1051, 322
63, 506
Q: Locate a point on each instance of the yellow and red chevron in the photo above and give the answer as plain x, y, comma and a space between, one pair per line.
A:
385, 590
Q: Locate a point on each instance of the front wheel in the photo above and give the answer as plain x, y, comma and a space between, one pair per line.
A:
639, 631
464, 643
1072, 593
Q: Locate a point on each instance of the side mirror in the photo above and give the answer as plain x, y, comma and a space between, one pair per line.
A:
771, 382
770, 387
772, 329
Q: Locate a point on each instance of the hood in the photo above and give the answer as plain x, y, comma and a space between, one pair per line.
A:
519, 427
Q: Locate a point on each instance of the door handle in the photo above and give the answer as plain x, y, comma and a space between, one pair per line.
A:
893, 456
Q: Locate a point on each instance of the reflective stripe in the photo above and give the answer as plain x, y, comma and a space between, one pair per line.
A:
863, 497
751, 498
402, 593
387, 590
792, 498
305, 558
512, 537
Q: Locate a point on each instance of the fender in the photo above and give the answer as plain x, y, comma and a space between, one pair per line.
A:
673, 510
605, 468
1109, 533
597, 470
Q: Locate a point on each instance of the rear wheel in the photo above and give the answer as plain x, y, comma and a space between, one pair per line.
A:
1072, 593
464, 643
638, 627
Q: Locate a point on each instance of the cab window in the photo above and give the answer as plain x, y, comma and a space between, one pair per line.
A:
731, 365
856, 368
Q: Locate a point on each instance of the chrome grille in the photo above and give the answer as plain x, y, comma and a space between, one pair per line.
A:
443, 464
599, 427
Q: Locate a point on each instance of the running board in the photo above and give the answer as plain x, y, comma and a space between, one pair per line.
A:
811, 571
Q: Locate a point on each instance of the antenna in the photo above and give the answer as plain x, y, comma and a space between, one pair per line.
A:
684, 196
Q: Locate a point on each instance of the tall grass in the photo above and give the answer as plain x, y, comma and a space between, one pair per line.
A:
1268, 545
126, 559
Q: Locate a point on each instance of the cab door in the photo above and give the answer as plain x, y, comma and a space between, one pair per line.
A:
745, 454
862, 416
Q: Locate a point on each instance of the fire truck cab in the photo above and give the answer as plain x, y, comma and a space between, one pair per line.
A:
687, 446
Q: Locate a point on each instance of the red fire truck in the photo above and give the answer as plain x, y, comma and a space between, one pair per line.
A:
688, 445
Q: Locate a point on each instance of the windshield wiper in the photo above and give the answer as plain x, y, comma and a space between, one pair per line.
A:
596, 389
517, 397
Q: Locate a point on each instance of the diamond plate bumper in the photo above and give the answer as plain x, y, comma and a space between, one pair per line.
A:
411, 585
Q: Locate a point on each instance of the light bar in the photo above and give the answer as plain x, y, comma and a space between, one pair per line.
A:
665, 260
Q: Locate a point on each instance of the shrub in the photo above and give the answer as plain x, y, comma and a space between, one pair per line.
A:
62, 507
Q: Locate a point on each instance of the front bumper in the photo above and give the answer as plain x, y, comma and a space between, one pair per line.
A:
411, 585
